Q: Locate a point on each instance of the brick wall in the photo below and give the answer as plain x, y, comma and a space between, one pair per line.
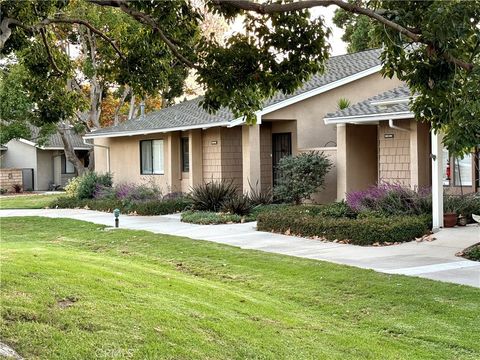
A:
394, 155
10, 177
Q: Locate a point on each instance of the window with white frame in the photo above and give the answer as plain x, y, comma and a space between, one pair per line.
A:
151, 157
463, 171
67, 166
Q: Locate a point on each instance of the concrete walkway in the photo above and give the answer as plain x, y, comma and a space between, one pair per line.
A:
433, 260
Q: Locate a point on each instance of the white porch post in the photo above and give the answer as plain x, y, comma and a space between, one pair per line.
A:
251, 157
437, 180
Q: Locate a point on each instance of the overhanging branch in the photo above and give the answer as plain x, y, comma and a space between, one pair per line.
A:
89, 26
272, 8
147, 20
49, 53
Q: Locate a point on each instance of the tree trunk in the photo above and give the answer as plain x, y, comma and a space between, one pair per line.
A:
69, 151
116, 118
91, 159
132, 111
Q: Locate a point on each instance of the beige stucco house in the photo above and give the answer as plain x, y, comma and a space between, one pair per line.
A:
182, 145
39, 167
379, 140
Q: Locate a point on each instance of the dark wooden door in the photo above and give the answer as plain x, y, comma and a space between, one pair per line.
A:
281, 147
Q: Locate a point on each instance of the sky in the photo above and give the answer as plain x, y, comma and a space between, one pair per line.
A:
338, 47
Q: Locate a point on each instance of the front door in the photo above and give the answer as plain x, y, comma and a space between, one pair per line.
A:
281, 147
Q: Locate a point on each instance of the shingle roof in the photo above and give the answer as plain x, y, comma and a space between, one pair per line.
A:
365, 107
190, 113
55, 140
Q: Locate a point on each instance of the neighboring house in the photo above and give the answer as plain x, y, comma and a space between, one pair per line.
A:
379, 140
182, 145
42, 166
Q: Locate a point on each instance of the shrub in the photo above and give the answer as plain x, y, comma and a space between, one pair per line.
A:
136, 193
237, 204
365, 231
17, 188
301, 176
67, 202
259, 197
3, 191
155, 207
211, 195
209, 218
465, 205
158, 207
391, 199
472, 252
92, 182
71, 189
337, 210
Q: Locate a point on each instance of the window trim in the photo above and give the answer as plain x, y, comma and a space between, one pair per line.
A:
184, 140
163, 150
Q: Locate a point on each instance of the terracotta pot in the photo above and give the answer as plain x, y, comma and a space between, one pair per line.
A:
449, 220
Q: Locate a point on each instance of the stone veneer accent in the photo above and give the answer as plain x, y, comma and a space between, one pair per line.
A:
10, 177
231, 157
212, 154
266, 156
393, 155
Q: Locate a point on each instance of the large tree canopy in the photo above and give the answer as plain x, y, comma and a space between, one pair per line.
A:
434, 46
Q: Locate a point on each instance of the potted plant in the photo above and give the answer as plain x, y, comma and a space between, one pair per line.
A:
450, 216
462, 220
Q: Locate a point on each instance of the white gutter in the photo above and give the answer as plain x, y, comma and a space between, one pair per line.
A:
393, 126
156, 131
392, 101
31, 143
368, 118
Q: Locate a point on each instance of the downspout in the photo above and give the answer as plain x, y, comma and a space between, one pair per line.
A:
393, 126
103, 147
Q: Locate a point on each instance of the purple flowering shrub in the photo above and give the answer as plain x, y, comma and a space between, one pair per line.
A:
391, 199
129, 192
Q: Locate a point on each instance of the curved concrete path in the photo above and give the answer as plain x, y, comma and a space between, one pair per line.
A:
433, 260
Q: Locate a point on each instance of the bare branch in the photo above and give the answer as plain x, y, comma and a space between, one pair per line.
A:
147, 20
6, 30
89, 26
49, 53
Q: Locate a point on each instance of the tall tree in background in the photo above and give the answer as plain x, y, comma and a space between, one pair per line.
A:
66, 67
434, 46
359, 31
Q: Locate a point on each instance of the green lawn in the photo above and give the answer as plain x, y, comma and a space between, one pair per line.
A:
26, 201
72, 290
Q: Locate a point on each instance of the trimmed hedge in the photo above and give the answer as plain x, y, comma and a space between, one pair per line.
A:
210, 218
472, 253
156, 207
366, 231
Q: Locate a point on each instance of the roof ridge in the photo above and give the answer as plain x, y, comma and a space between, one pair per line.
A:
354, 53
